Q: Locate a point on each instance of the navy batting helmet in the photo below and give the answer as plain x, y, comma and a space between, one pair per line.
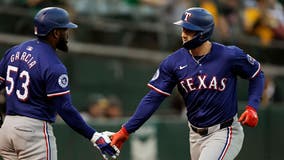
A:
199, 20
50, 18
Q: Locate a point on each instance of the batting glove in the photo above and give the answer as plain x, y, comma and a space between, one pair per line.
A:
102, 142
249, 117
119, 137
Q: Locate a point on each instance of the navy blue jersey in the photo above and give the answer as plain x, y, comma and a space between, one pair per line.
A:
207, 85
31, 73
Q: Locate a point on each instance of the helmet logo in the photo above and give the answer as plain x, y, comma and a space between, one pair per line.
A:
187, 15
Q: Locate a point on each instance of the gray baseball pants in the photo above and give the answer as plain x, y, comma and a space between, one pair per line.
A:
218, 144
24, 138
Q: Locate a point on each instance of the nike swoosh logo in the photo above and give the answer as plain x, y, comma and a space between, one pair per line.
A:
182, 67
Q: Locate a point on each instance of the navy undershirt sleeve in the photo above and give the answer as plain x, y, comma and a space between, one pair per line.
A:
256, 86
71, 116
147, 106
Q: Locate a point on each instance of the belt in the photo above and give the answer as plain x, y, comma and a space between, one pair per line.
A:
205, 131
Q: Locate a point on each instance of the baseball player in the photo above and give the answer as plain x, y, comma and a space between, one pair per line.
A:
206, 76
37, 88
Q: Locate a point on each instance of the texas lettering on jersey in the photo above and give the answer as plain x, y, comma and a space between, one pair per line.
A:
204, 82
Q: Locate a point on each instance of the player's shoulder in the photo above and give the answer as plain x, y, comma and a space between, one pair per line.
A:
29, 43
179, 51
227, 50
13, 49
59, 67
55, 69
172, 60
34, 46
44, 54
17, 47
177, 54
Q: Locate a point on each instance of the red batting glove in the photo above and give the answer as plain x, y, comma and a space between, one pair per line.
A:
249, 117
119, 138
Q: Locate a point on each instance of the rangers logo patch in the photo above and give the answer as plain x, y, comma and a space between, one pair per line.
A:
156, 75
250, 59
63, 80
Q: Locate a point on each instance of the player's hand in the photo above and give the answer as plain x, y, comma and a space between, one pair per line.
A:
249, 117
119, 137
102, 142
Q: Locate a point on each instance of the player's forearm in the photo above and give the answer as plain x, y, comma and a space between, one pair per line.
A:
72, 117
256, 86
148, 105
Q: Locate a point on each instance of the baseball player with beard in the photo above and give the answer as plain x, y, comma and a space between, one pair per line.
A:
36, 84
206, 74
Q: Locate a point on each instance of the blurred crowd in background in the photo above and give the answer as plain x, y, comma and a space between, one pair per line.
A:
129, 20
100, 106
148, 24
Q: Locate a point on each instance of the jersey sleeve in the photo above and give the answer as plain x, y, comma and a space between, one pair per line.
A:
163, 80
244, 65
57, 81
71, 115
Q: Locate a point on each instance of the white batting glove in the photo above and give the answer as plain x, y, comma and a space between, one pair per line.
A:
102, 142
108, 133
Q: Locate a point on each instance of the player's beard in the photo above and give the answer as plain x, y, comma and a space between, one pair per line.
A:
62, 44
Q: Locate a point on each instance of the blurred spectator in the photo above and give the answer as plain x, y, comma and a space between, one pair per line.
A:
114, 109
229, 23
265, 19
39, 4
100, 106
222, 29
268, 92
167, 12
25, 9
96, 107
211, 6
276, 13
273, 91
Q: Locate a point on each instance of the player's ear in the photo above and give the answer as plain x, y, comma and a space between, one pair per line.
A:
55, 33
